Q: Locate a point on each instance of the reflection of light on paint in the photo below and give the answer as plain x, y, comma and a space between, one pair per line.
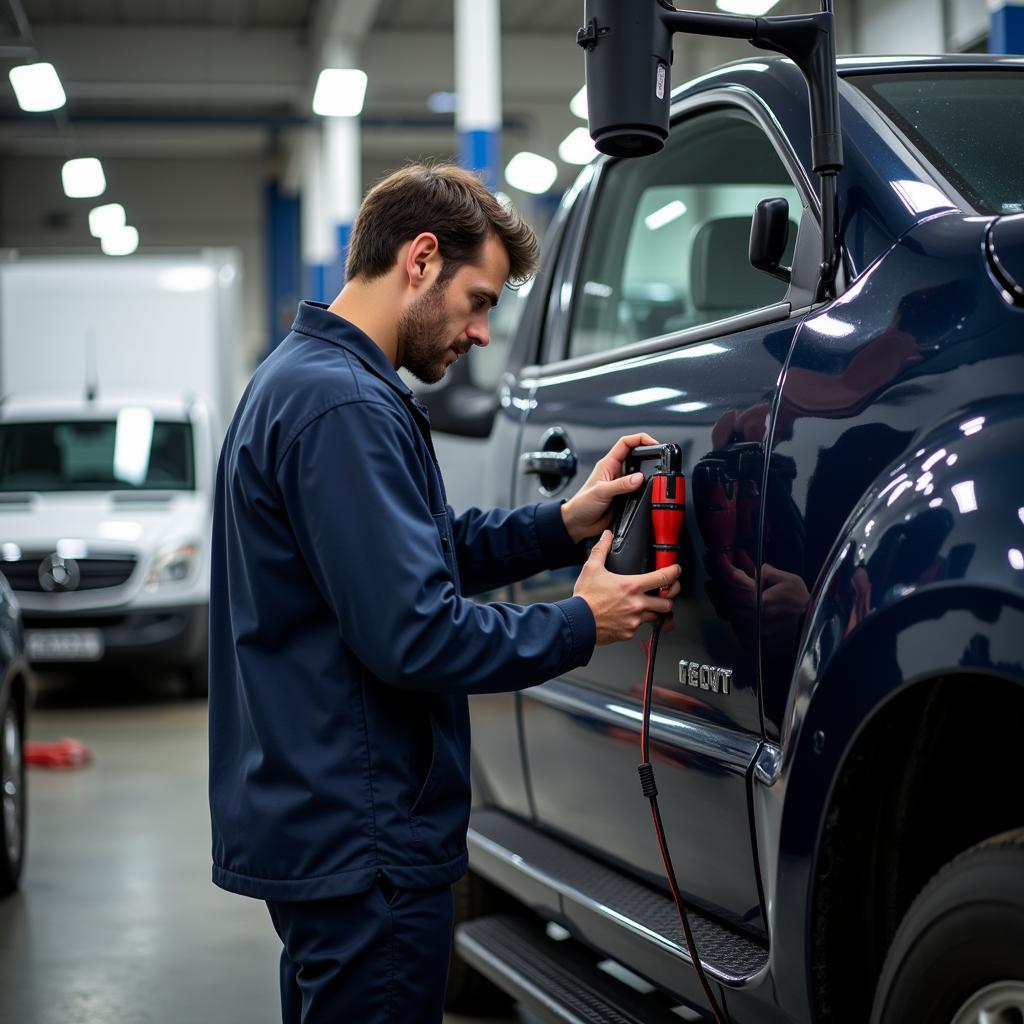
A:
10, 552
951, 461
834, 328
973, 426
893, 483
919, 196
645, 396
932, 459
923, 481
114, 529
667, 214
1016, 558
1020, 514
869, 528
935, 503
707, 349
904, 485
69, 548
687, 407
566, 294
965, 496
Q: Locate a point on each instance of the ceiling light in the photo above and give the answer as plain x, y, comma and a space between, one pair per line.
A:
339, 92
531, 172
667, 214
122, 242
577, 147
83, 178
442, 102
753, 8
106, 218
578, 104
37, 87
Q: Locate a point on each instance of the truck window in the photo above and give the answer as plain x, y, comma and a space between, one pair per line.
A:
97, 455
668, 244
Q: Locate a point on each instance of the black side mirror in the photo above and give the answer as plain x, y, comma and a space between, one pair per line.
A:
459, 406
769, 235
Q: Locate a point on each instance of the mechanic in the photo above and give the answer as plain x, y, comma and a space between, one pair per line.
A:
342, 646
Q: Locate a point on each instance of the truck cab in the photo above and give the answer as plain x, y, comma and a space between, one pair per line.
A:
105, 518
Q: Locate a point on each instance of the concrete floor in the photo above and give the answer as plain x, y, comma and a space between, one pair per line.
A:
117, 920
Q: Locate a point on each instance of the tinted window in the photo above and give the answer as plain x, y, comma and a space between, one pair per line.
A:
966, 123
668, 244
130, 453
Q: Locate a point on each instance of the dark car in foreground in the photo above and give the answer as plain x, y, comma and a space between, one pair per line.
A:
839, 710
14, 705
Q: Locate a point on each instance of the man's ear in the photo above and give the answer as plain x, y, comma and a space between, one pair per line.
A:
423, 259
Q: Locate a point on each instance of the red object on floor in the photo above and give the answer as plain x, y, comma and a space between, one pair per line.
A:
62, 753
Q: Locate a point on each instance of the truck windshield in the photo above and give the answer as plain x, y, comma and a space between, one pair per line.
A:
961, 122
132, 452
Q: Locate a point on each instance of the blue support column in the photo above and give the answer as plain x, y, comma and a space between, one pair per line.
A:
282, 260
478, 87
343, 189
1006, 32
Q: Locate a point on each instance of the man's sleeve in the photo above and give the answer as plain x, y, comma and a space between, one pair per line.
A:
501, 546
353, 490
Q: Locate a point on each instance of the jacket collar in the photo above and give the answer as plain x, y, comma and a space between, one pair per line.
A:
314, 319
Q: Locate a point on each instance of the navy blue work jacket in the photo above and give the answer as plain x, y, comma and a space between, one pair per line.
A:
341, 645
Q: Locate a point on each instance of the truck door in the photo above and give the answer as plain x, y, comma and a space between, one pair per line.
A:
662, 325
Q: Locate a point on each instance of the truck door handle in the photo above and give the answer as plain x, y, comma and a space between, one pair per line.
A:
559, 464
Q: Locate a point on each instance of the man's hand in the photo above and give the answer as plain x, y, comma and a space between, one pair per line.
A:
622, 604
588, 511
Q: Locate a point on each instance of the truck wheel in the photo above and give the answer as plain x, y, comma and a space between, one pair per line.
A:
468, 990
197, 678
12, 800
958, 956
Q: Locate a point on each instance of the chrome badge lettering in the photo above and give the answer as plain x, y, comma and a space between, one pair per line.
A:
705, 677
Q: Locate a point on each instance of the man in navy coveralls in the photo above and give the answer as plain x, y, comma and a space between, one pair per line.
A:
343, 645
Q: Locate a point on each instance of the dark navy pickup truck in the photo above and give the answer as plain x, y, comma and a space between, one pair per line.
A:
838, 719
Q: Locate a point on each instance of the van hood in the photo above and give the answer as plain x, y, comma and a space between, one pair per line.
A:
107, 522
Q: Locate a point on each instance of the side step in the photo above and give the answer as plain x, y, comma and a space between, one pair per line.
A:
556, 981
608, 910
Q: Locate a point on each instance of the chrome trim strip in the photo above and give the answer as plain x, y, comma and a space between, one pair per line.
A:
730, 748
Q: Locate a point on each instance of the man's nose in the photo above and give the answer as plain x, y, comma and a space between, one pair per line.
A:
479, 334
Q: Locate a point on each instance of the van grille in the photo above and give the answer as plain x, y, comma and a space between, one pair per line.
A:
93, 573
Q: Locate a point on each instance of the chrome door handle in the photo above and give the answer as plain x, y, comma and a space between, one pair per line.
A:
560, 464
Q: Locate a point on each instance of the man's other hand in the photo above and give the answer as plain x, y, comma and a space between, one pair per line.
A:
622, 604
588, 511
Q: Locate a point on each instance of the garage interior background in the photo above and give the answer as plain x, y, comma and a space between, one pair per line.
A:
200, 112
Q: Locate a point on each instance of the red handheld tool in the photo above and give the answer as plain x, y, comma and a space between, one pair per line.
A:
668, 502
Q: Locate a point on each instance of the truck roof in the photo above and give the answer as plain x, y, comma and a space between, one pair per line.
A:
28, 407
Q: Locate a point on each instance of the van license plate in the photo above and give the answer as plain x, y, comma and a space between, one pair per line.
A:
64, 644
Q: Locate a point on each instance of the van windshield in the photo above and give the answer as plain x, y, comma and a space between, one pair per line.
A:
961, 122
130, 453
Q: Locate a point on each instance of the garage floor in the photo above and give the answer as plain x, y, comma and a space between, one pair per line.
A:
117, 920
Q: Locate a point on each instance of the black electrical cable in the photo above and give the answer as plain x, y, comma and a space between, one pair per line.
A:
650, 789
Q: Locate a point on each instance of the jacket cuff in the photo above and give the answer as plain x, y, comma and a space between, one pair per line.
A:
582, 631
556, 546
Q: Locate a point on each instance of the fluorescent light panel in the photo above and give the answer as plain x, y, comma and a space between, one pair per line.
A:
667, 214
578, 104
106, 218
577, 147
122, 242
753, 8
531, 172
37, 87
83, 178
339, 92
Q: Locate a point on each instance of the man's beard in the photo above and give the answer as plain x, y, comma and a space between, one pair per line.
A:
423, 335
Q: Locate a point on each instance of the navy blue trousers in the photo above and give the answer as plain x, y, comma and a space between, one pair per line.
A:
378, 957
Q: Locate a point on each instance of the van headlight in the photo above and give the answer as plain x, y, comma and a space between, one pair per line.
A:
172, 565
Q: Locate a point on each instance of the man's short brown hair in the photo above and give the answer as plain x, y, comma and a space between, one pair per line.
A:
448, 201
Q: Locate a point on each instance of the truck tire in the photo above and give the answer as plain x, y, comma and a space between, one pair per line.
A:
13, 806
958, 955
468, 990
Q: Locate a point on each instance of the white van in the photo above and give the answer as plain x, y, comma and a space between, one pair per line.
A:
105, 520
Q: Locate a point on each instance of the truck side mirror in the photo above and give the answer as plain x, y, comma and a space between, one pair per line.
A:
769, 234
459, 406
